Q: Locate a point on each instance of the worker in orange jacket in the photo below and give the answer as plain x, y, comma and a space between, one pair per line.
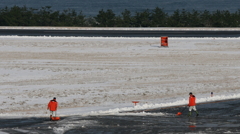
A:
192, 104
52, 106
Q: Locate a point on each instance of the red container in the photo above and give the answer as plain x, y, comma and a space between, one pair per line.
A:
164, 41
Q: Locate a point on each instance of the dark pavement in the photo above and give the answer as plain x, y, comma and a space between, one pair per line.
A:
219, 117
120, 33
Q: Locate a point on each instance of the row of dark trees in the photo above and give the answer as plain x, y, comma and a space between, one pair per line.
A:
23, 16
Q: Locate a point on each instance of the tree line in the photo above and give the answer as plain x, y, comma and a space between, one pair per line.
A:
23, 16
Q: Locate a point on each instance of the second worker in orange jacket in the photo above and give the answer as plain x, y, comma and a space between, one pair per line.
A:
192, 104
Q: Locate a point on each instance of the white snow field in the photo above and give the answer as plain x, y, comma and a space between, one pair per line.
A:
99, 75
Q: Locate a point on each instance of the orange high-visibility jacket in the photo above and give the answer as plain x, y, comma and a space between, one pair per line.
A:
192, 100
52, 105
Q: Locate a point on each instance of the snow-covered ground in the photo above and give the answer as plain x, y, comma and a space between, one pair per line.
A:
96, 75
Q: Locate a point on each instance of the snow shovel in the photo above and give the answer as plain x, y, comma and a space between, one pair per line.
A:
180, 113
55, 118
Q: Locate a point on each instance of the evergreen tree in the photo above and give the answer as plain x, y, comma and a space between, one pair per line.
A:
174, 19
16, 16
206, 19
194, 19
44, 18
23, 16
126, 19
105, 19
142, 19
159, 18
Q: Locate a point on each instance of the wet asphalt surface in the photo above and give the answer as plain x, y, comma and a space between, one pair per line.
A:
218, 117
120, 33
